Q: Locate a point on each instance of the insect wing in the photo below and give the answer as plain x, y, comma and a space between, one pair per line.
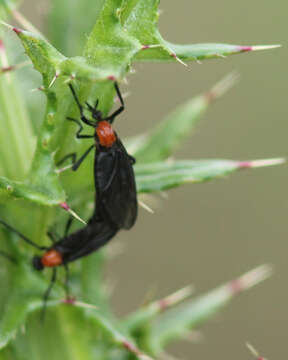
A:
85, 241
116, 189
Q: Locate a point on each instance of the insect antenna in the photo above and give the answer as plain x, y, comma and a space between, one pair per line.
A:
83, 118
76, 98
90, 107
111, 117
28, 241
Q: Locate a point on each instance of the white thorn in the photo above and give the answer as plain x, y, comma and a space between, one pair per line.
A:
255, 276
145, 206
73, 213
224, 84
59, 171
264, 47
85, 305
267, 162
54, 79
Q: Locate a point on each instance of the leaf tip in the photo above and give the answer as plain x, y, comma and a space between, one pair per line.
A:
250, 279
222, 86
261, 163
254, 352
175, 298
258, 47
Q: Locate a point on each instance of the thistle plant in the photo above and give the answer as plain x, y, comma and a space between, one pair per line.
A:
34, 191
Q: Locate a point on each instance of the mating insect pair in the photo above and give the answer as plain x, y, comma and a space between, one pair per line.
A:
116, 199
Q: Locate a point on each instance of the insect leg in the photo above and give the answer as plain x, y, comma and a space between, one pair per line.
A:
68, 225
111, 117
67, 275
83, 118
23, 237
75, 163
68, 156
8, 257
132, 159
47, 293
79, 161
53, 236
78, 133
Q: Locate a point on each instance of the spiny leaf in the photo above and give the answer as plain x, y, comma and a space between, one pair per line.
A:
20, 190
43, 185
162, 141
43, 175
165, 175
112, 333
44, 56
52, 64
176, 322
23, 299
109, 40
147, 313
196, 52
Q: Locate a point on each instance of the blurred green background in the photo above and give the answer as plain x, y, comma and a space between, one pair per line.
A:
209, 233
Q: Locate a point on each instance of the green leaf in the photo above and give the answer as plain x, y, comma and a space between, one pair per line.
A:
44, 56
175, 323
109, 331
109, 40
43, 175
144, 315
195, 52
44, 196
160, 176
52, 64
155, 48
23, 299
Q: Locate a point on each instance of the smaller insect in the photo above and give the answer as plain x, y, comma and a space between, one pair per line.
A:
116, 196
70, 248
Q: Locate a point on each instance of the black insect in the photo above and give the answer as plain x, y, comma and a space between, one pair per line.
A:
70, 248
114, 177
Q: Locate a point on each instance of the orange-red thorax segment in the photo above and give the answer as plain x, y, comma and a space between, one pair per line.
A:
52, 258
105, 134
